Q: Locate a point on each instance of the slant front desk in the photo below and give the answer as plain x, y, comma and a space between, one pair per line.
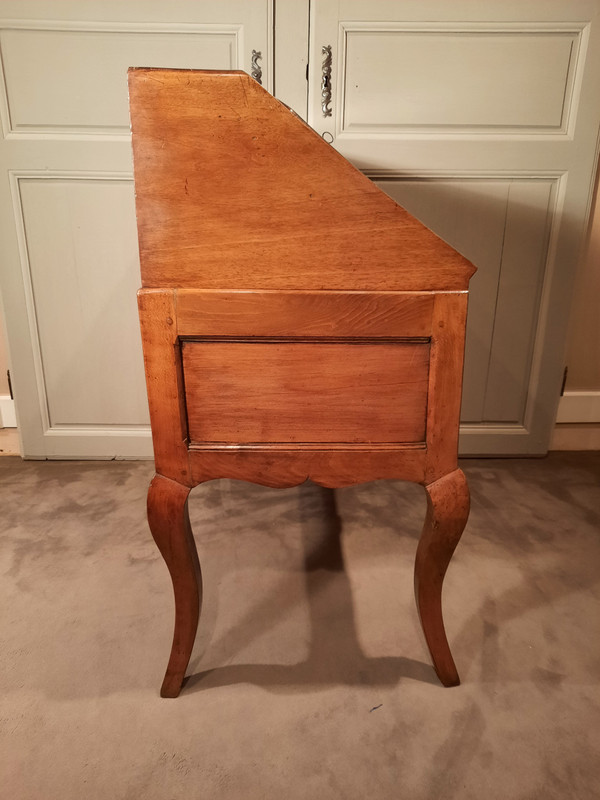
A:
296, 322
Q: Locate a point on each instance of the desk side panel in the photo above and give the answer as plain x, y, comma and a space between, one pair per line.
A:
233, 190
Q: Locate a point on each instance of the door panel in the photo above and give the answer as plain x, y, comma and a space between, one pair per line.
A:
69, 261
502, 226
83, 289
484, 80
482, 120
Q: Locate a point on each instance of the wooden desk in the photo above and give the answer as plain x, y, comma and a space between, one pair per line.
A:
296, 323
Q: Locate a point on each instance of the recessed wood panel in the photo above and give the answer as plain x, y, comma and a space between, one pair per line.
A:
448, 79
73, 81
285, 391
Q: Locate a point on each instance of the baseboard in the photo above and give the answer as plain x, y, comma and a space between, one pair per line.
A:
579, 407
575, 409
8, 417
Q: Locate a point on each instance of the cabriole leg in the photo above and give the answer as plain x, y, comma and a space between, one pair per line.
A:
447, 513
170, 525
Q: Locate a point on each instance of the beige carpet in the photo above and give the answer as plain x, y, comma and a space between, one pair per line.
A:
309, 677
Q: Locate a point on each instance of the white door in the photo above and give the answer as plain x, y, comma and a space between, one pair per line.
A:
69, 262
482, 120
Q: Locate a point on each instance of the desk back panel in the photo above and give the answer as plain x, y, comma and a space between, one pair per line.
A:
252, 372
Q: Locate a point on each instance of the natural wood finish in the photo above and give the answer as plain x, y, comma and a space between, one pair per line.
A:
447, 513
243, 392
445, 383
297, 324
234, 191
170, 525
164, 383
255, 313
333, 468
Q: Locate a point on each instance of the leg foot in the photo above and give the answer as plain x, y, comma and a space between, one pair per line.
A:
447, 513
170, 525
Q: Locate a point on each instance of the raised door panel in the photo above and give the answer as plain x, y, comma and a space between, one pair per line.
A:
404, 79
457, 72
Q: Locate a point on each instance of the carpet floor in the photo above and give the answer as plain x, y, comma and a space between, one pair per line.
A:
310, 677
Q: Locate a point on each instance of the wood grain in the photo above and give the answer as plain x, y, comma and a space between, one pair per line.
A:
271, 313
234, 191
241, 392
447, 514
170, 525
162, 362
297, 324
332, 468
445, 383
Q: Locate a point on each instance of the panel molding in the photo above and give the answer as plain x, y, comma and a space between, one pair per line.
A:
503, 439
15, 176
463, 174
117, 133
139, 431
578, 30
468, 429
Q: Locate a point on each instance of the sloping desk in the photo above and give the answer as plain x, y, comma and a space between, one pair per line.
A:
296, 323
